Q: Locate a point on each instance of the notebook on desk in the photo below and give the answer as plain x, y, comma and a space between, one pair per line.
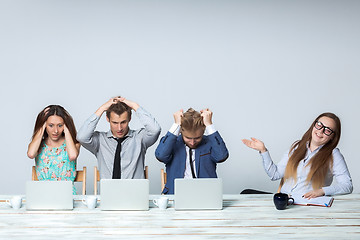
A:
323, 201
124, 194
49, 195
198, 194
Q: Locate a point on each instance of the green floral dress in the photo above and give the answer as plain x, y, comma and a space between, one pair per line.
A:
53, 164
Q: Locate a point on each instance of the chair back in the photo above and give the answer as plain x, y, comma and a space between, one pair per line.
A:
80, 177
280, 185
97, 177
163, 178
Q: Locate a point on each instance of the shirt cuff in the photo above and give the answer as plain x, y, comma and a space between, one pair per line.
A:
266, 158
329, 191
175, 129
210, 129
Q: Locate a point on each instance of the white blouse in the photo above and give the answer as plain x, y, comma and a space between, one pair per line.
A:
343, 184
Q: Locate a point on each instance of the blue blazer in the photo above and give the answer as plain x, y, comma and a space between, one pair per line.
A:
171, 151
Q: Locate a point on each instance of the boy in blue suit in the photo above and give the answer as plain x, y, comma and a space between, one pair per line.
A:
187, 152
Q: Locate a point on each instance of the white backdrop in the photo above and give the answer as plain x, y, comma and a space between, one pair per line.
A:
265, 68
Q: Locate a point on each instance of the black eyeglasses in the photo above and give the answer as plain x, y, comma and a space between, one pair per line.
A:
326, 130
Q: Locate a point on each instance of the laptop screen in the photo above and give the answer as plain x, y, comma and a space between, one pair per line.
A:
49, 195
198, 194
124, 194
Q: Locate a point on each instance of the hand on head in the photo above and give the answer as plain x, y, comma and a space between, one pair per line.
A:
207, 116
41, 130
177, 116
205, 113
110, 102
115, 100
66, 130
46, 110
131, 104
118, 99
42, 115
255, 144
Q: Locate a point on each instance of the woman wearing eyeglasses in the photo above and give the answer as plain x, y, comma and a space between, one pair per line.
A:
311, 163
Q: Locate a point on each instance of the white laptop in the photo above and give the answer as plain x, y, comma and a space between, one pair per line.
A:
49, 195
198, 194
124, 194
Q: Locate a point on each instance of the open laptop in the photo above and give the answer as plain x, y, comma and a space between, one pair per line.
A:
49, 195
198, 194
124, 194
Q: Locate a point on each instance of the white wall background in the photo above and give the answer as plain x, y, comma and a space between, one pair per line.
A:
265, 68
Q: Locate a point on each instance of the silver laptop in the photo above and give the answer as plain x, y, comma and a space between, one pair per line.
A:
49, 195
124, 194
198, 194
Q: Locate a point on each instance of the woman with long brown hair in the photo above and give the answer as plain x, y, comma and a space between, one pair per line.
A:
54, 145
311, 163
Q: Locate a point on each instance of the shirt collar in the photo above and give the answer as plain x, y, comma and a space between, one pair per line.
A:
129, 134
315, 151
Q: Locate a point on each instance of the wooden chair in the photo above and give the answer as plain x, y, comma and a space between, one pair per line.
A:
97, 177
80, 177
163, 178
146, 172
280, 185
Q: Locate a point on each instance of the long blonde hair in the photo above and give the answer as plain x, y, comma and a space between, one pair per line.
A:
321, 162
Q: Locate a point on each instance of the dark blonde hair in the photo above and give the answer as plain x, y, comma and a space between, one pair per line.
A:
56, 110
321, 162
192, 121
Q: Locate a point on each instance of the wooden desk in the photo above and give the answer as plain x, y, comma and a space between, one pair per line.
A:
243, 217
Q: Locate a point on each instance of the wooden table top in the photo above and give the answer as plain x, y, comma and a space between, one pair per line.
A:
243, 217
